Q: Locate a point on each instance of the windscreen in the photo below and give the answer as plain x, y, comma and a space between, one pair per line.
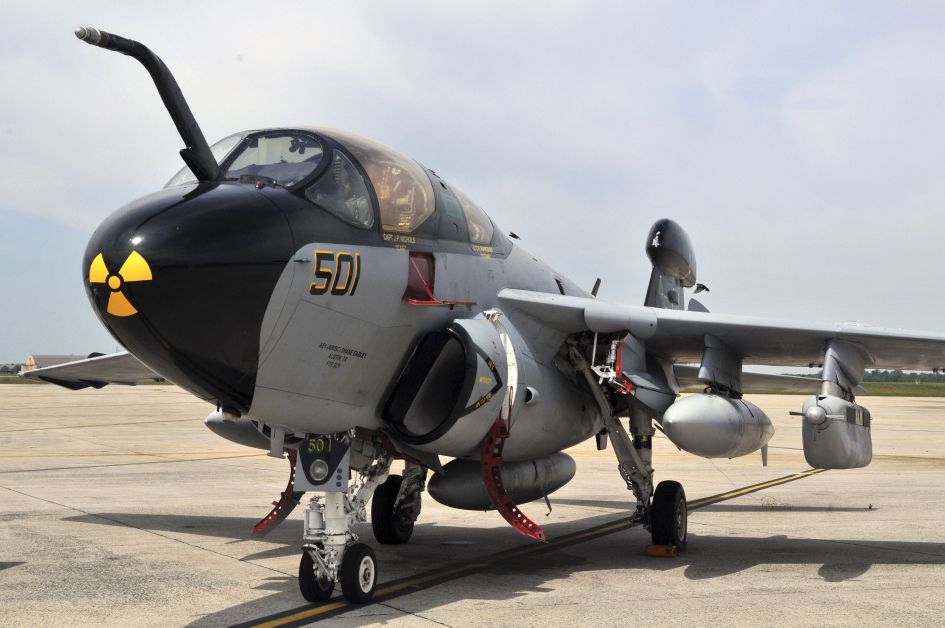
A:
287, 157
220, 150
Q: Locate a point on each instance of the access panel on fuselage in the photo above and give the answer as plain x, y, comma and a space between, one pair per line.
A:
342, 329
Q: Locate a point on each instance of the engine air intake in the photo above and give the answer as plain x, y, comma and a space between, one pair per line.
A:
449, 390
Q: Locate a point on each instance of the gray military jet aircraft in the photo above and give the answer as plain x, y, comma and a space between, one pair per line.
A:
342, 304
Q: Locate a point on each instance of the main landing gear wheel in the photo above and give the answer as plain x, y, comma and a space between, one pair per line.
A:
358, 573
390, 527
668, 515
314, 588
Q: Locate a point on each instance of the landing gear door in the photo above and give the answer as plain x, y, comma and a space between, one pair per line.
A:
322, 465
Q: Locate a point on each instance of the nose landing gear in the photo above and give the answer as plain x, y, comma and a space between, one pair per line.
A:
330, 550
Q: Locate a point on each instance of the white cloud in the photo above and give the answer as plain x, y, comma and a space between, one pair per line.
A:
799, 145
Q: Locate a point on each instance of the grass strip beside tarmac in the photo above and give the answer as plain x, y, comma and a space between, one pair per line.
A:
873, 389
16, 379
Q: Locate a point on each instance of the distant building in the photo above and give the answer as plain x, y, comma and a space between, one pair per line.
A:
42, 361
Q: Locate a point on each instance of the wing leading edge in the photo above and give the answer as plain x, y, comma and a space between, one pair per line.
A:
114, 368
680, 335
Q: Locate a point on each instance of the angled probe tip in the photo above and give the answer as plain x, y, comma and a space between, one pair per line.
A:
89, 35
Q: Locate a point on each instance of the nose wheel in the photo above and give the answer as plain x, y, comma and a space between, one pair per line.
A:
314, 586
358, 574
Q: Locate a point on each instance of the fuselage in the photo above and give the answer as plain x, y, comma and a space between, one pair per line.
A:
295, 289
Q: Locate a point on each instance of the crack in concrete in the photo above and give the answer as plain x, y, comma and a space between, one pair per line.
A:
130, 464
76, 427
406, 612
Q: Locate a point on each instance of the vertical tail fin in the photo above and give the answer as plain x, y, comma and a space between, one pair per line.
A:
674, 265
664, 292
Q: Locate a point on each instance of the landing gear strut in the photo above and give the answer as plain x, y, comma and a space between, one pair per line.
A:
330, 550
664, 515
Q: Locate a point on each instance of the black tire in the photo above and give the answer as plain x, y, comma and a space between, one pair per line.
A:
389, 528
358, 574
668, 524
313, 588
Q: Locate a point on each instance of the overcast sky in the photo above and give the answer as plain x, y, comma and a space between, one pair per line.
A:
802, 145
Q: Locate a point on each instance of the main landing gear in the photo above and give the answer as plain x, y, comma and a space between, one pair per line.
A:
665, 515
662, 511
331, 552
396, 505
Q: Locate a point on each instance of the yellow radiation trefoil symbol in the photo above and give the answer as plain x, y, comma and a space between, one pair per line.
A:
135, 268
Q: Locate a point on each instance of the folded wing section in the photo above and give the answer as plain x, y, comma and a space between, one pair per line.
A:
115, 368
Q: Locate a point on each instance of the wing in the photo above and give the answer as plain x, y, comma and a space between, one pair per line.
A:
680, 335
115, 368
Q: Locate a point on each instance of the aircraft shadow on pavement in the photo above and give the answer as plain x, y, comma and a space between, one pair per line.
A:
437, 546
762, 507
286, 537
7, 565
622, 553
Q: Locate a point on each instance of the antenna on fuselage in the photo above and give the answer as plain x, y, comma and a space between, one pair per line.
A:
197, 153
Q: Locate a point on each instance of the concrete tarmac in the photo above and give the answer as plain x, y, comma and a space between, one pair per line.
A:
118, 507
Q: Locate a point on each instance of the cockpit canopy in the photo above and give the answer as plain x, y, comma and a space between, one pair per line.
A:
359, 181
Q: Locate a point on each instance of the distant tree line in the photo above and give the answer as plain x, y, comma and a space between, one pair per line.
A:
900, 376
897, 375
10, 369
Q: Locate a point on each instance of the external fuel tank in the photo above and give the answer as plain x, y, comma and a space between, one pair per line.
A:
717, 426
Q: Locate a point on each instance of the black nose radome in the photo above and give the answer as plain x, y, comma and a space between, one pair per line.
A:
182, 279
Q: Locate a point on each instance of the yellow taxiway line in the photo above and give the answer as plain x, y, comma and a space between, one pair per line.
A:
441, 575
